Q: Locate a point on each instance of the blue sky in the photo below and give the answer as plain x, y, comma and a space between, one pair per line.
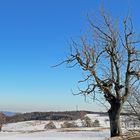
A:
33, 37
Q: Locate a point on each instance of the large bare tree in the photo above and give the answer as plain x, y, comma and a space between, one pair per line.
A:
110, 58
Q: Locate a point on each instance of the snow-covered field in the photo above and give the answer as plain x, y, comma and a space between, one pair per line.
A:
53, 135
34, 130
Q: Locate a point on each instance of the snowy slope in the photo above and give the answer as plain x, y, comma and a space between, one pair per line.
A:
34, 130
39, 125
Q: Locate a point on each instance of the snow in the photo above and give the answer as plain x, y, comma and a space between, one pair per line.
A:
39, 125
24, 126
34, 130
29, 126
54, 135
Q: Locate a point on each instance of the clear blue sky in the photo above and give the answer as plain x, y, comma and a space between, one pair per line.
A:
33, 37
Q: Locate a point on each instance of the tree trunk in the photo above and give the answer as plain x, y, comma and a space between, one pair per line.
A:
114, 116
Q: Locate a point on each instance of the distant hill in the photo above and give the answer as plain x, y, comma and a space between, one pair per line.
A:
7, 113
66, 115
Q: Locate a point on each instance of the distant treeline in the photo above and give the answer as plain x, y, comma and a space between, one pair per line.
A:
66, 115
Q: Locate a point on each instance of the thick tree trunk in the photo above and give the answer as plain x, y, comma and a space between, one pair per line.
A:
114, 116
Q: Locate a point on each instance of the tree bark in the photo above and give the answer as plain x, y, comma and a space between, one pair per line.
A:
114, 116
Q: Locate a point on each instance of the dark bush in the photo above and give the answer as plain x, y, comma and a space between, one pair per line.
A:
69, 125
50, 125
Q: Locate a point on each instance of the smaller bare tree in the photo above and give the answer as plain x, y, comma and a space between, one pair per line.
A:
2, 120
87, 122
133, 104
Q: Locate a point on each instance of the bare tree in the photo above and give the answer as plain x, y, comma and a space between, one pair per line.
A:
110, 58
2, 120
133, 104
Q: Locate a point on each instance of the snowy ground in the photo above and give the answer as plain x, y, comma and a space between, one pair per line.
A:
53, 135
34, 130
